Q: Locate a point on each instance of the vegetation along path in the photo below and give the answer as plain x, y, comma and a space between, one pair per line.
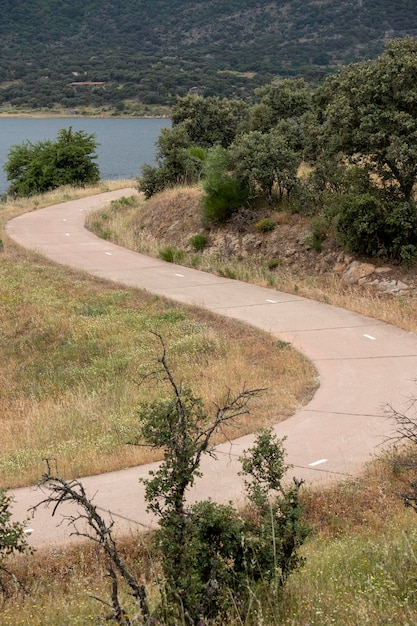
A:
364, 366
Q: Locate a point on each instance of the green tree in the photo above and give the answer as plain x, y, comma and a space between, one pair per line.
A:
209, 121
178, 162
285, 99
223, 192
179, 425
364, 143
69, 160
263, 160
368, 112
276, 531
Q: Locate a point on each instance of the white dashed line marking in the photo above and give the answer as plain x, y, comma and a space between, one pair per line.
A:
370, 337
67, 234
318, 462
108, 253
180, 275
65, 219
271, 301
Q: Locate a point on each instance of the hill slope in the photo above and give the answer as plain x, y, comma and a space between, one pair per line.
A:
150, 52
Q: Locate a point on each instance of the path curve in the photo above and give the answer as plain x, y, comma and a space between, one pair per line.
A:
364, 365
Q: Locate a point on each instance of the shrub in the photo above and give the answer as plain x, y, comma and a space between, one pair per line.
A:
222, 200
12, 540
198, 153
153, 180
265, 225
198, 242
273, 264
320, 226
171, 255
377, 226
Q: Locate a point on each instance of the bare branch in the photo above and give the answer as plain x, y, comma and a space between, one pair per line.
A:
62, 491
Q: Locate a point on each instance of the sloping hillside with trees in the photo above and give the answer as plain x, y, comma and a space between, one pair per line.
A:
357, 133
136, 54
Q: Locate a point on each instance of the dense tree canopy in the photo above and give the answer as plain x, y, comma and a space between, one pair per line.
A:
262, 160
369, 113
209, 121
130, 54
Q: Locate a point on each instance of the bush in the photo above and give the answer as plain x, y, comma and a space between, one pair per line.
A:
320, 226
377, 226
171, 255
273, 264
214, 559
153, 180
222, 200
12, 540
265, 225
178, 163
198, 242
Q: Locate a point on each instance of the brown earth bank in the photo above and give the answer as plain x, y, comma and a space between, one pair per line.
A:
174, 216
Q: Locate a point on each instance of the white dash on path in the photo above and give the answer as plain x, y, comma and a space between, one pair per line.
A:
180, 275
65, 219
271, 301
108, 253
370, 337
318, 462
67, 234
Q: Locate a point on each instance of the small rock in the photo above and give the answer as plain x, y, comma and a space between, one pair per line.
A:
392, 286
382, 270
356, 271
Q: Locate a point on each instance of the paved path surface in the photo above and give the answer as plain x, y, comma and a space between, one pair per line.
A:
364, 365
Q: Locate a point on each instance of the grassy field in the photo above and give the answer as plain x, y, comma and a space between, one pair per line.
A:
74, 349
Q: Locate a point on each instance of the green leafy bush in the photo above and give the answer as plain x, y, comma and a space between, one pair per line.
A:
265, 225
178, 163
320, 226
211, 555
378, 226
171, 255
198, 242
152, 180
273, 264
12, 540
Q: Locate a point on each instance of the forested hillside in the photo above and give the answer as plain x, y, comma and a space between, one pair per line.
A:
143, 51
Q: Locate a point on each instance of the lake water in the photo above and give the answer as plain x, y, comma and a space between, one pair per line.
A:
124, 144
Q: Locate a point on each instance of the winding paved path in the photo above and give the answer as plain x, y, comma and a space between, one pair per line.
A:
363, 364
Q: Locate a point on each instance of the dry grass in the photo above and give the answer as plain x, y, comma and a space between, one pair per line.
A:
74, 349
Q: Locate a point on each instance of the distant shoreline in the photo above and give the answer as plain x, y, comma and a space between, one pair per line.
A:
34, 115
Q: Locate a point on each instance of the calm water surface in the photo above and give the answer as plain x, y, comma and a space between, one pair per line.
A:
124, 144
